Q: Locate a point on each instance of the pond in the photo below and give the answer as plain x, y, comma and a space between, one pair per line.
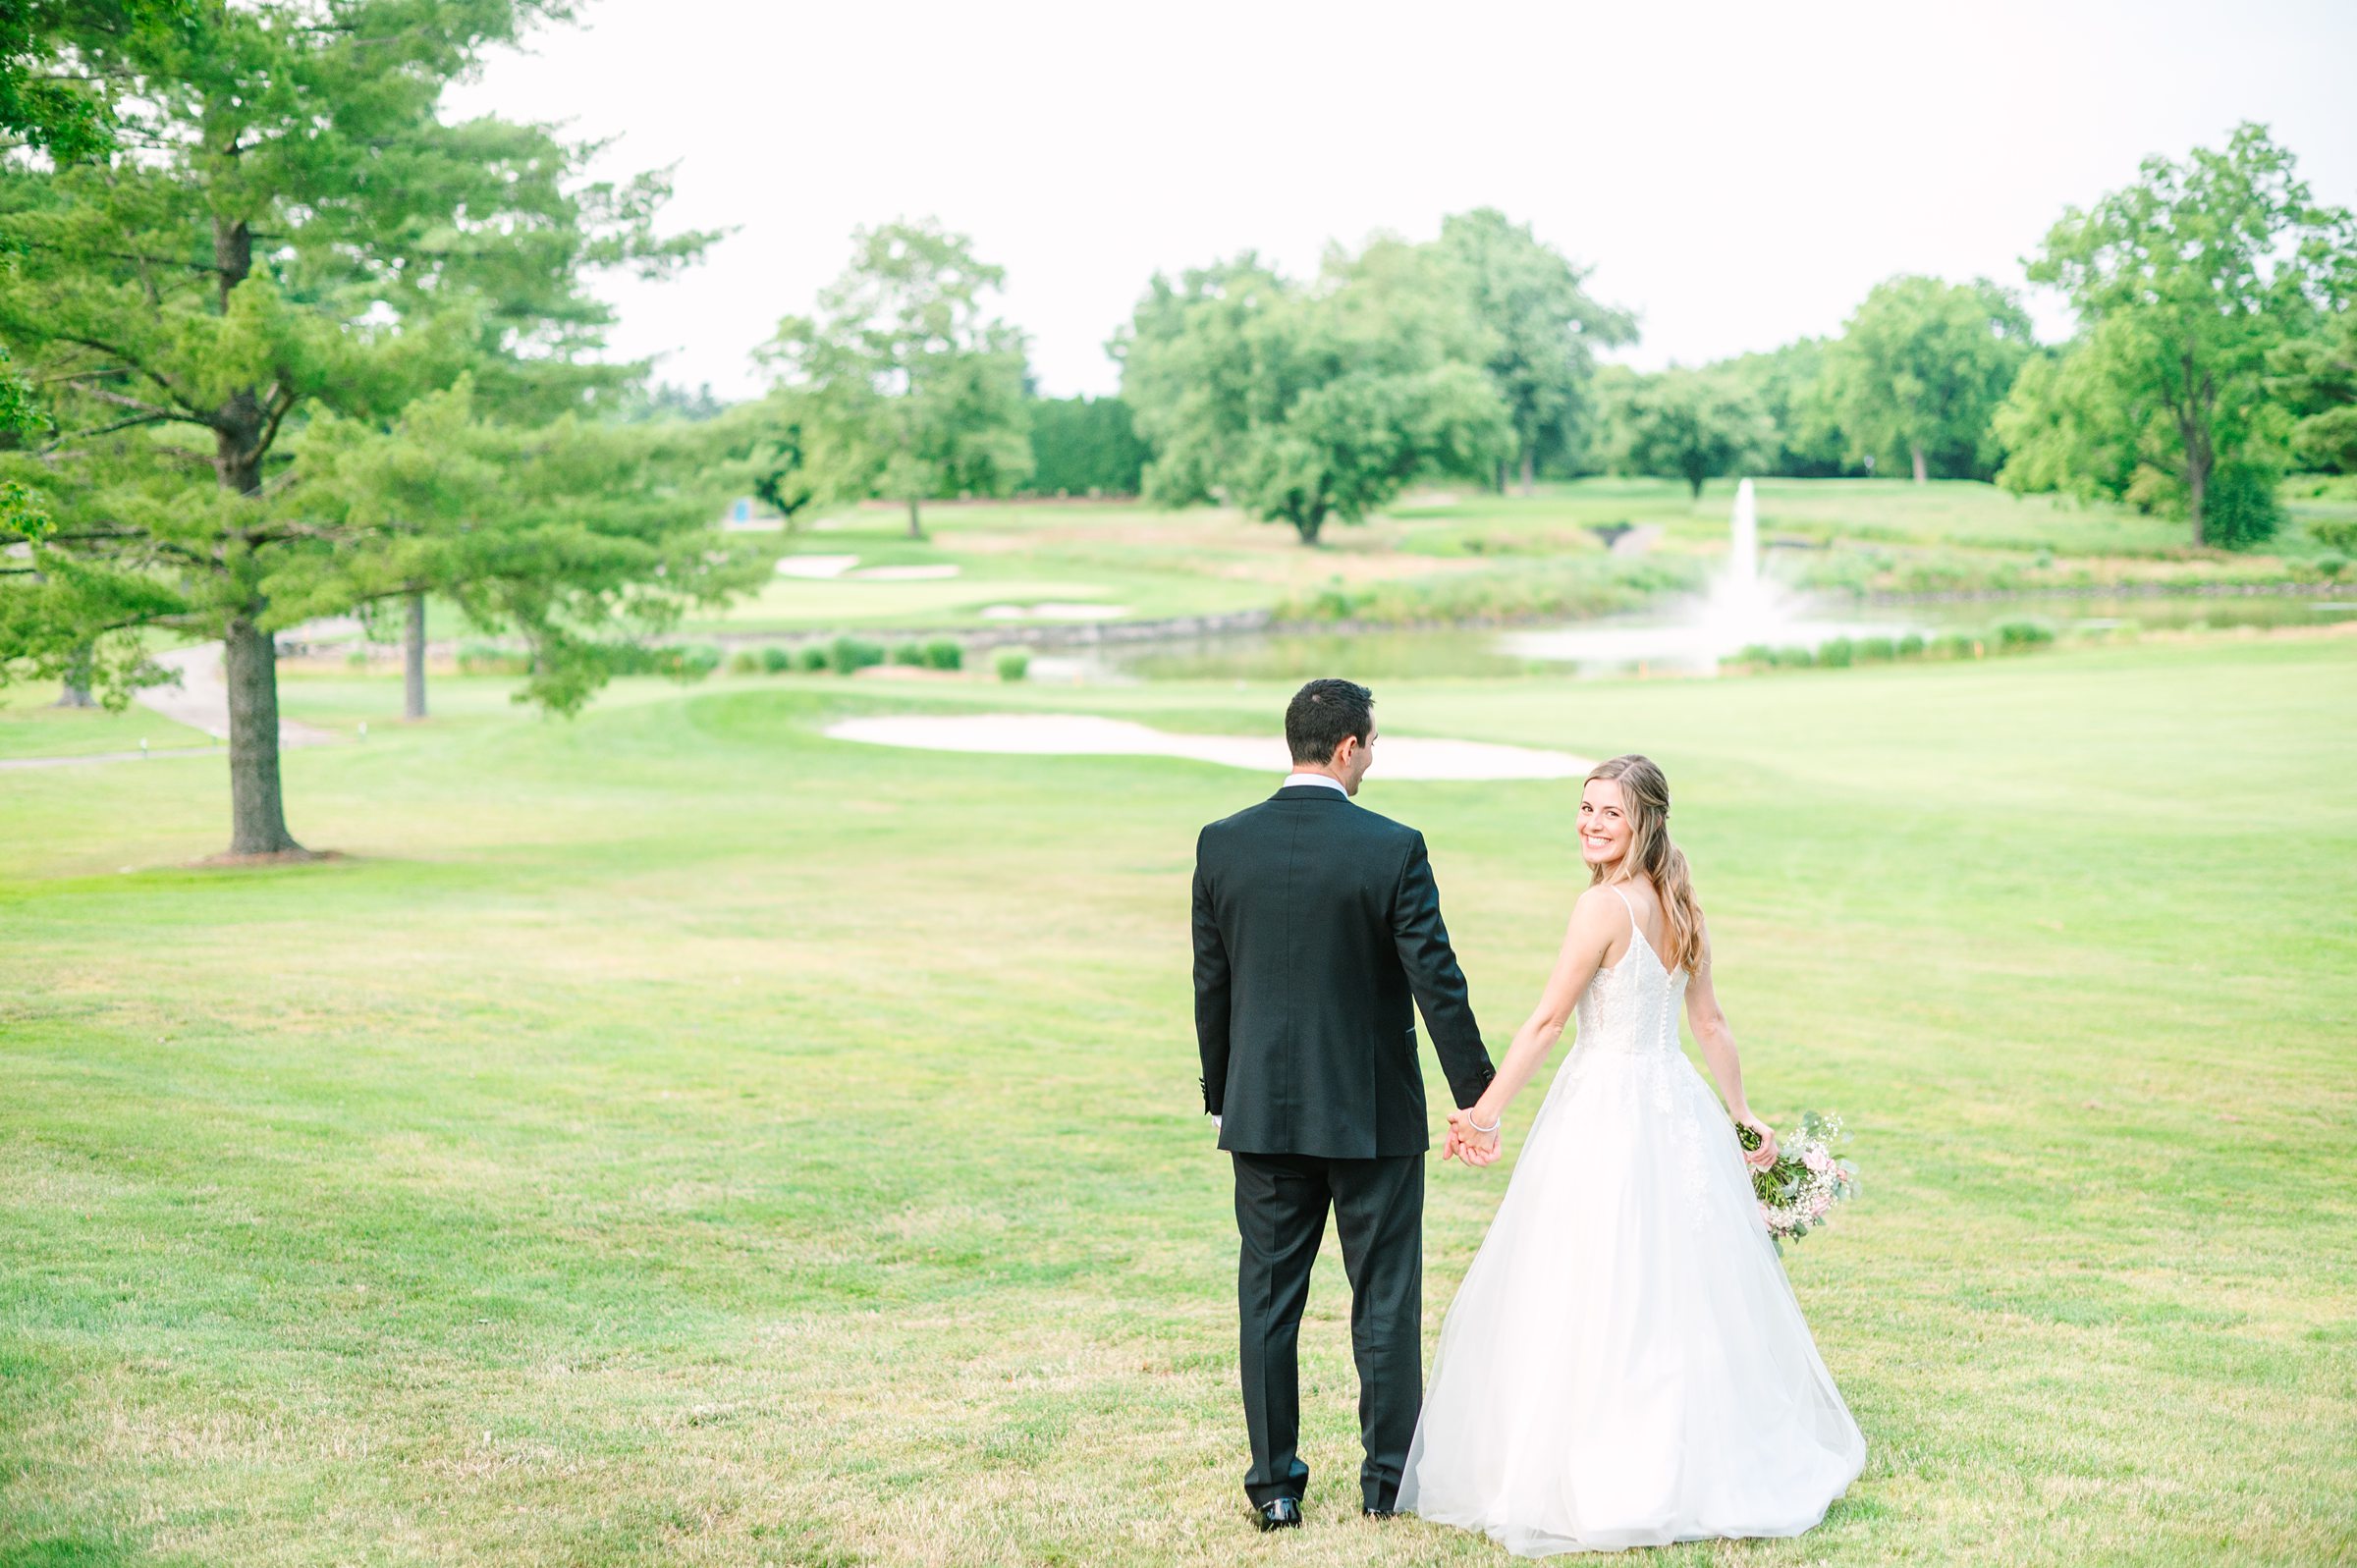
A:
1655, 641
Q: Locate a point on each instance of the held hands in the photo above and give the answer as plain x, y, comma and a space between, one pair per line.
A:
1764, 1156
1467, 1143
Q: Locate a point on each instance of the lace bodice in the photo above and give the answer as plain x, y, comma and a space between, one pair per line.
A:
1631, 1008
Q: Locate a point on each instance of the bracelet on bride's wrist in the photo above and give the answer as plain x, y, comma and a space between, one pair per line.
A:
1491, 1128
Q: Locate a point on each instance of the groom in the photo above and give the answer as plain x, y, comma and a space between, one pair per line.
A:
1315, 921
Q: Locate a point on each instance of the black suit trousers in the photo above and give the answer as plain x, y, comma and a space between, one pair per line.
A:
1281, 1204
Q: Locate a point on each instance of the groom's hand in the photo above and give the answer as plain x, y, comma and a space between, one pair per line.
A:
1474, 1147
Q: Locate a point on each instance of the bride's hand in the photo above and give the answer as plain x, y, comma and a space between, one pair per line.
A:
1764, 1156
1469, 1144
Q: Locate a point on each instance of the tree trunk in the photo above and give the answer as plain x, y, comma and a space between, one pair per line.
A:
1923, 473
1307, 522
233, 255
1529, 472
412, 672
1501, 476
257, 817
250, 666
78, 679
917, 529
2197, 488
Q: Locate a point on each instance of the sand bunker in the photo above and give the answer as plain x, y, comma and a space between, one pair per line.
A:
816, 567
933, 574
1403, 757
839, 568
1054, 611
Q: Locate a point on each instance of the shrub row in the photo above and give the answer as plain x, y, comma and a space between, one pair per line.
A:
688, 661
847, 655
490, 659
692, 662
1839, 652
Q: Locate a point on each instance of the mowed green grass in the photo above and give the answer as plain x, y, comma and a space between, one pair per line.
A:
31, 725
673, 1137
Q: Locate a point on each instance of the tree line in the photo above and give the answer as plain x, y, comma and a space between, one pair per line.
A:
2214, 352
1303, 400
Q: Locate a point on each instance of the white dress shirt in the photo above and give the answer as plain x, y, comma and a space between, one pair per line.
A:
1328, 779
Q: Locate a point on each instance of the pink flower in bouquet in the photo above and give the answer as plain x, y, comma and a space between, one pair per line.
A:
1818, 1160
1820, 1202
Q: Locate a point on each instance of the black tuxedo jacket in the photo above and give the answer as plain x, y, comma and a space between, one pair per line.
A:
1315, 922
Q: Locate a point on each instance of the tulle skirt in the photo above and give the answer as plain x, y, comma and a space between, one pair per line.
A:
1625, 1364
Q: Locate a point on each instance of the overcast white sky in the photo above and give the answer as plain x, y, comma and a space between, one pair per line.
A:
1737, 174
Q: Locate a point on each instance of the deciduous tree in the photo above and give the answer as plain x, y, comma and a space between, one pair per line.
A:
1544, 328
2064, 427
1691, 425
1305, 404
1921, 367
1790, 385
905, 362
2184, 282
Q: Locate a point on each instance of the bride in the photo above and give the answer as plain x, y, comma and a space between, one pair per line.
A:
1625, 1364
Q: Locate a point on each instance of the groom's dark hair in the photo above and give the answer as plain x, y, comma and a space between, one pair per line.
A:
1322, 714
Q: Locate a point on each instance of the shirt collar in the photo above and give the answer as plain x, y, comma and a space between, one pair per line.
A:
1329, 781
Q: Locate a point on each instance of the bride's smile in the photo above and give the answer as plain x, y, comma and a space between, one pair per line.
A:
1604, 830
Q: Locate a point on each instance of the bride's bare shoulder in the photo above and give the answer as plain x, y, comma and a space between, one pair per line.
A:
1598, 916
1596, 899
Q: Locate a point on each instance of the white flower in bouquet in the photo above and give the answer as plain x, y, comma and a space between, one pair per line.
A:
1797, 1194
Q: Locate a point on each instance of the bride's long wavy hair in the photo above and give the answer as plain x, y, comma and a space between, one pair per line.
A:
1645, 799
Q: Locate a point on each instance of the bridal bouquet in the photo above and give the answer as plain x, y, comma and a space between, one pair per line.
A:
1798, 1192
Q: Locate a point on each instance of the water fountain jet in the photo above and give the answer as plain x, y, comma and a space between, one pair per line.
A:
1743, 608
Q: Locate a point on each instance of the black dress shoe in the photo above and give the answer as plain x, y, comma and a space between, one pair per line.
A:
1381, 1513
1282, 1514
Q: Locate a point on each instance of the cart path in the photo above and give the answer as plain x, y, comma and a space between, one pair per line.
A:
201, 701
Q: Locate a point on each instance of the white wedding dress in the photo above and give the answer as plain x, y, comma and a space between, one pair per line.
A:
1625, 1364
